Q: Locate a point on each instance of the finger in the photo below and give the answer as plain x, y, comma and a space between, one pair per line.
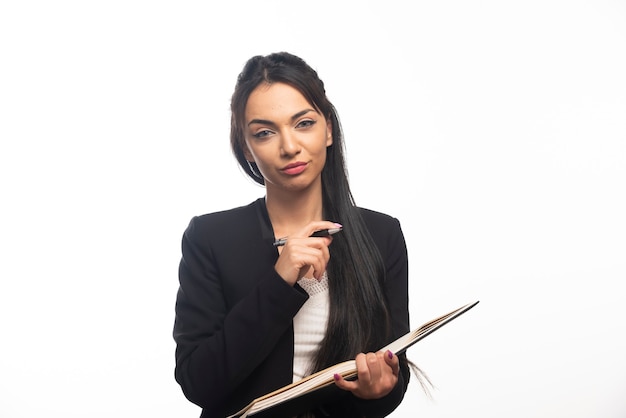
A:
374, 366
367, 367
392, 361
303, 255
361, 366
295, 260
320, 268
345, 384
316, 257
314, 251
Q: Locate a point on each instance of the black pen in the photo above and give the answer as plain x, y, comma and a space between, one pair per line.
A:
320, 233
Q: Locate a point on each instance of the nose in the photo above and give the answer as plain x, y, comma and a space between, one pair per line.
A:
289, 144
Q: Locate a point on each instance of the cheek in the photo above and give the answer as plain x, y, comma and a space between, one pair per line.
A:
246, 150
254, 153
323, 149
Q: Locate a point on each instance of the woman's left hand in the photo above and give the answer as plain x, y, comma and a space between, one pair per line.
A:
377, 375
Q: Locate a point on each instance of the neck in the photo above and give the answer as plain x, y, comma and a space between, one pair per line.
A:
289, 212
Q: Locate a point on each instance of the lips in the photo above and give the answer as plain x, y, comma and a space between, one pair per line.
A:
294, 168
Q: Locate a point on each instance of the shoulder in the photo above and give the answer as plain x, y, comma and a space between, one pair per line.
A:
384, 229
229, 215
377, 220
223, 224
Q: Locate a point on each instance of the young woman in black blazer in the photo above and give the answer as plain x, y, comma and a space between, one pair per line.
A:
245, 321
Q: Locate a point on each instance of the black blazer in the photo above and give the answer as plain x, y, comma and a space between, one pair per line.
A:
234, 313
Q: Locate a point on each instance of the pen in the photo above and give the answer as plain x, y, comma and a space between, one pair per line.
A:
320, 233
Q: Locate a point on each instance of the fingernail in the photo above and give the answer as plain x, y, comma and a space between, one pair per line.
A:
389, 354
338, 225
336, 376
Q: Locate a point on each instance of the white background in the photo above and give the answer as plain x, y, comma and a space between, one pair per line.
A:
495, 131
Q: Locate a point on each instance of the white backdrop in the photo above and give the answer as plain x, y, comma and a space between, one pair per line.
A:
495, 131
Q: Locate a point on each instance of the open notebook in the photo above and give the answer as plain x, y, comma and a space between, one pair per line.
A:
347, 369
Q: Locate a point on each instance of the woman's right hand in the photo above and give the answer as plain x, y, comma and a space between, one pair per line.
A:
302, 253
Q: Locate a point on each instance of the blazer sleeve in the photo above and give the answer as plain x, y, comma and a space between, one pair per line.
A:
396, 287
219, 345
387, 232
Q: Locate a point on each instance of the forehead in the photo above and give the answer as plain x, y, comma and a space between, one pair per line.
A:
271, 101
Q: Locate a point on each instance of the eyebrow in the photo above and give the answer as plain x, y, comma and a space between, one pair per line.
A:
293, 118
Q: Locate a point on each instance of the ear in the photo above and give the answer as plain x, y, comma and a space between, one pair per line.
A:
329, 133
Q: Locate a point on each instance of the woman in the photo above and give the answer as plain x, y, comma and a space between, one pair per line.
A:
251, 316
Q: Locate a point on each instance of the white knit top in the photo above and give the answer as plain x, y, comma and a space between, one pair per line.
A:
309, 325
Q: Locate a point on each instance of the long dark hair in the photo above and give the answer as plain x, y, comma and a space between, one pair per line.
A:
359, 319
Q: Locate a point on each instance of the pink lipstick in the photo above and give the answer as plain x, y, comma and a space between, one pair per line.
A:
294, 168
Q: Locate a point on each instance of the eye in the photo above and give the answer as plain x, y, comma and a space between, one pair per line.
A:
262, 134
307, 123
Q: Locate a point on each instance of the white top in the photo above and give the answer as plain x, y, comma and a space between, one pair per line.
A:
309, 325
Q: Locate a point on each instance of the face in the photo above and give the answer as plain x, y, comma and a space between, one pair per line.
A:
286, 137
